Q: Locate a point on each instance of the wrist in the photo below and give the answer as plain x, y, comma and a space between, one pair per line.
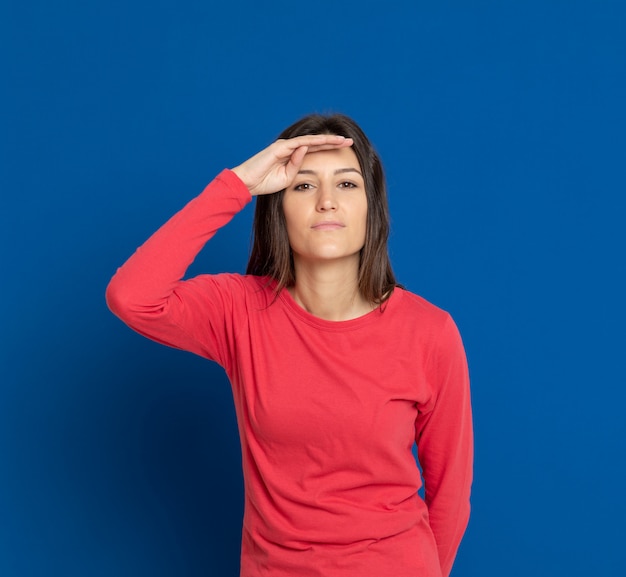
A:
241, 175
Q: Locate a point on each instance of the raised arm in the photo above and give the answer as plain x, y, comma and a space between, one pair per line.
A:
148, 292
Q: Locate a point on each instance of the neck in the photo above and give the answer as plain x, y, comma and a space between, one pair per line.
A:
329, 291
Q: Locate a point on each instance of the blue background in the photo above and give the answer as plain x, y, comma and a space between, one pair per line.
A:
502, 128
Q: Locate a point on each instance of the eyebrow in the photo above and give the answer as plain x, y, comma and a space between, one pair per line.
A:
338, 171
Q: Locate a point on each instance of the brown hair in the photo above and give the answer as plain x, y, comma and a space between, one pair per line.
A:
271, 254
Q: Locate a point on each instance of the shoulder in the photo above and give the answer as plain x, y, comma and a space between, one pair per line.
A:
236, 287
417, 307
243, 283
433, 326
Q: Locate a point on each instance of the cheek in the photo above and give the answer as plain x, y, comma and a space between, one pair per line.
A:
291, 211
292, 222
287, 215
363, 219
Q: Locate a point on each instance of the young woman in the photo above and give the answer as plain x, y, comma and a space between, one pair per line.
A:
336, 370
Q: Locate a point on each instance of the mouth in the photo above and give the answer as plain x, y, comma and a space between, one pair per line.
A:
328, 225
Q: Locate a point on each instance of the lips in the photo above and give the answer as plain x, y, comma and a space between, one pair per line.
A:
328, 225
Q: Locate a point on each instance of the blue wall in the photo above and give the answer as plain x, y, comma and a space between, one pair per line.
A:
502, 127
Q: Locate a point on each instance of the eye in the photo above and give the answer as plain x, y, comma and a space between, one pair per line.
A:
347, 184
302, 187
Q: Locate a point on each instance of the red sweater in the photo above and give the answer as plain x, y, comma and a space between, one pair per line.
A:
328, 411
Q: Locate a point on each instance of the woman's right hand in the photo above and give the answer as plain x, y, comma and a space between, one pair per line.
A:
276, 166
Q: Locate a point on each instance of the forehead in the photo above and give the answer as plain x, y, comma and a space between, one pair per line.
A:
330, 160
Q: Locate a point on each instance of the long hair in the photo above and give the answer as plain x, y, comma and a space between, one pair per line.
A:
271, 254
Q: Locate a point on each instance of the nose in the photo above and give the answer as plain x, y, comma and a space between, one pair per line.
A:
327, 200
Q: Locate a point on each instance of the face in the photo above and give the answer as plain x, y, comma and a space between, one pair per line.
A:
325, 208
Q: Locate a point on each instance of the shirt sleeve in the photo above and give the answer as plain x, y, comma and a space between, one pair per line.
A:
444, 438
148, 292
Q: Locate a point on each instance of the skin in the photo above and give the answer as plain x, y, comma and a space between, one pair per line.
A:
325, 210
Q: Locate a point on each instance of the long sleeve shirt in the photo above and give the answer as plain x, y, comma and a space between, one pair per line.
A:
328, 411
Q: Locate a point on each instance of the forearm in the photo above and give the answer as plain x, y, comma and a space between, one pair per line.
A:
449, 512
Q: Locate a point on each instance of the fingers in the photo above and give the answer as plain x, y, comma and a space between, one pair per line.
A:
277, 165
298, 156
293, 150
294, 163
345, 144
313, 142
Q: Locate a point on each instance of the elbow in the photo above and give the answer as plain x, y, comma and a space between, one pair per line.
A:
117, 299
131, 304
112, 296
